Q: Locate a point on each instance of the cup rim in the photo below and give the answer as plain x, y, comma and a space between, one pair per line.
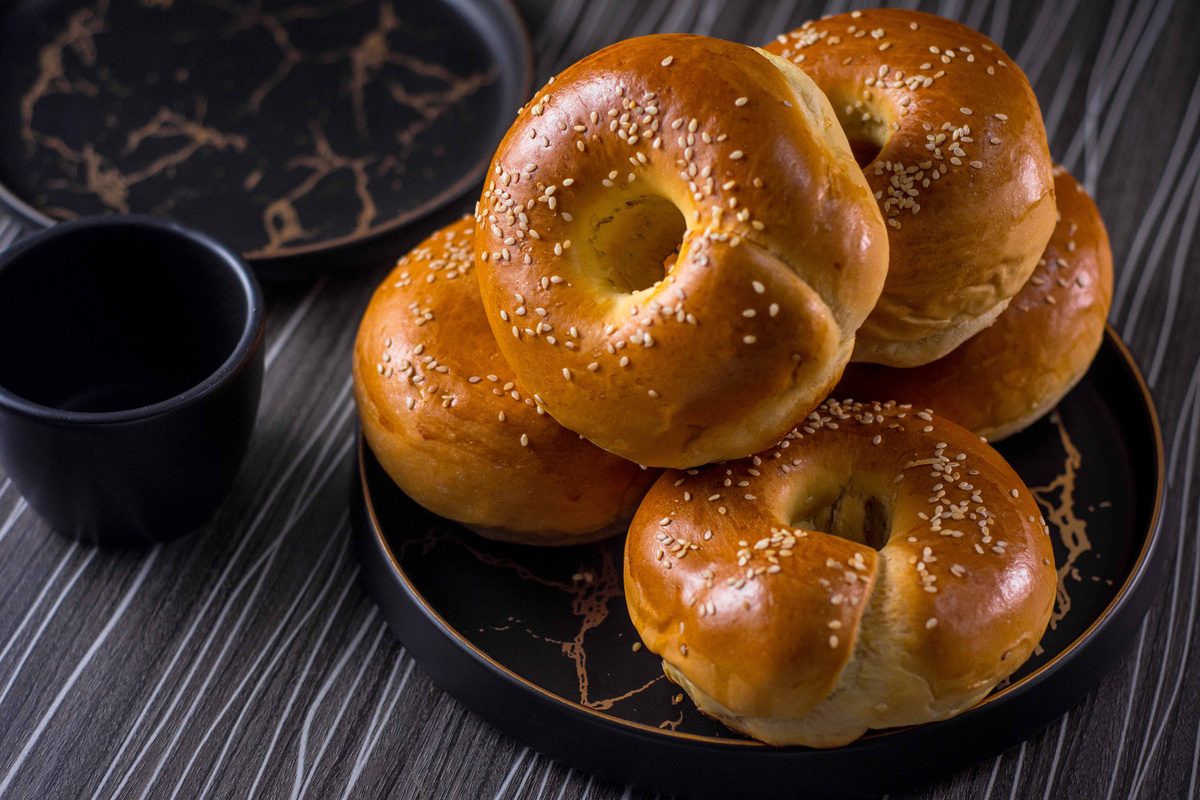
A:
228, 369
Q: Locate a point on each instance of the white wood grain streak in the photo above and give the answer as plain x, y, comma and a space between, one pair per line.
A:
1163, 191
378, 719
1062, 93
287, 622
266, 674
992, 778
1062, 733
999, 24
550, 767
37, 602
301, 680
1149, 745
707, 19
1135, 684
566, 782
289, 328
1048, 28
534, 763
301, 787
512, 770
37, 636
1146, 44
17, 510
260, 567
975, 15
83, 663
1016, 781
1174, 287
321, 430
1115, 81
9, 234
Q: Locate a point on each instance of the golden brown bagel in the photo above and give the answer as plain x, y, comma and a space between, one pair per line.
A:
449, 422
1008, 375
797, 636
736, 159
952, 143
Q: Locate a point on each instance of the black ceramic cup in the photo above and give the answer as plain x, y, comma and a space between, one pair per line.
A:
131, 365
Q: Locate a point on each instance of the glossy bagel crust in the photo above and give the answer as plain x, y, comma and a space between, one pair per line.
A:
451, 424
783, 249
962, 170
795, 636
1009, 375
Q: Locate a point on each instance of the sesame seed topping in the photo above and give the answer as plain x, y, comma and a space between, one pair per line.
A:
666, 62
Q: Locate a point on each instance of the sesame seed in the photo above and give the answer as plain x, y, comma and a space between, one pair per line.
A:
833, 640
749, 339
524, 440
666, 62
758, 287
735, 155
566, 373
931, 623
741, 101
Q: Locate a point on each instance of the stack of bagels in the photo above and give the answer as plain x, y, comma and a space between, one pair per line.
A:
685, 248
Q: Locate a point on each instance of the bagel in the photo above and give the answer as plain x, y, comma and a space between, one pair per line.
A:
733, 157
760, 584
453, 426
1009, 375
951, 140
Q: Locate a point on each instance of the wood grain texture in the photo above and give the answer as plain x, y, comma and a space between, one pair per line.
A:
246, 661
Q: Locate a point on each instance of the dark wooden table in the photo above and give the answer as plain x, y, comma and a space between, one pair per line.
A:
245, 660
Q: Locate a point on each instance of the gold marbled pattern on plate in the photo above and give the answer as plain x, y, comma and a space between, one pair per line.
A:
342, 119
594, 592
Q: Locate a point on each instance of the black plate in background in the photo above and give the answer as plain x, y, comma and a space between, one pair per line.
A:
539, 643
289, 129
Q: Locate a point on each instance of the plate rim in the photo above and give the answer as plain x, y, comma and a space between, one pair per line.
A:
13, 204
1137, 573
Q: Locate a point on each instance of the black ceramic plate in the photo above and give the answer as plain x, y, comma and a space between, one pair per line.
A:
285, 128
539, 643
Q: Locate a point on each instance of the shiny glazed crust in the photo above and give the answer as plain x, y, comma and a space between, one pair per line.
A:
962, 170
795, 636
449, 422
1007, 376
783, 250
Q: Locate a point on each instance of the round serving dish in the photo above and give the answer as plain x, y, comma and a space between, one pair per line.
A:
294, 132
538, 641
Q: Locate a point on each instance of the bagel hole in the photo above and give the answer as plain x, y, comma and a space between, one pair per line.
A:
866, 136
636, 244
865, 151
850, 512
